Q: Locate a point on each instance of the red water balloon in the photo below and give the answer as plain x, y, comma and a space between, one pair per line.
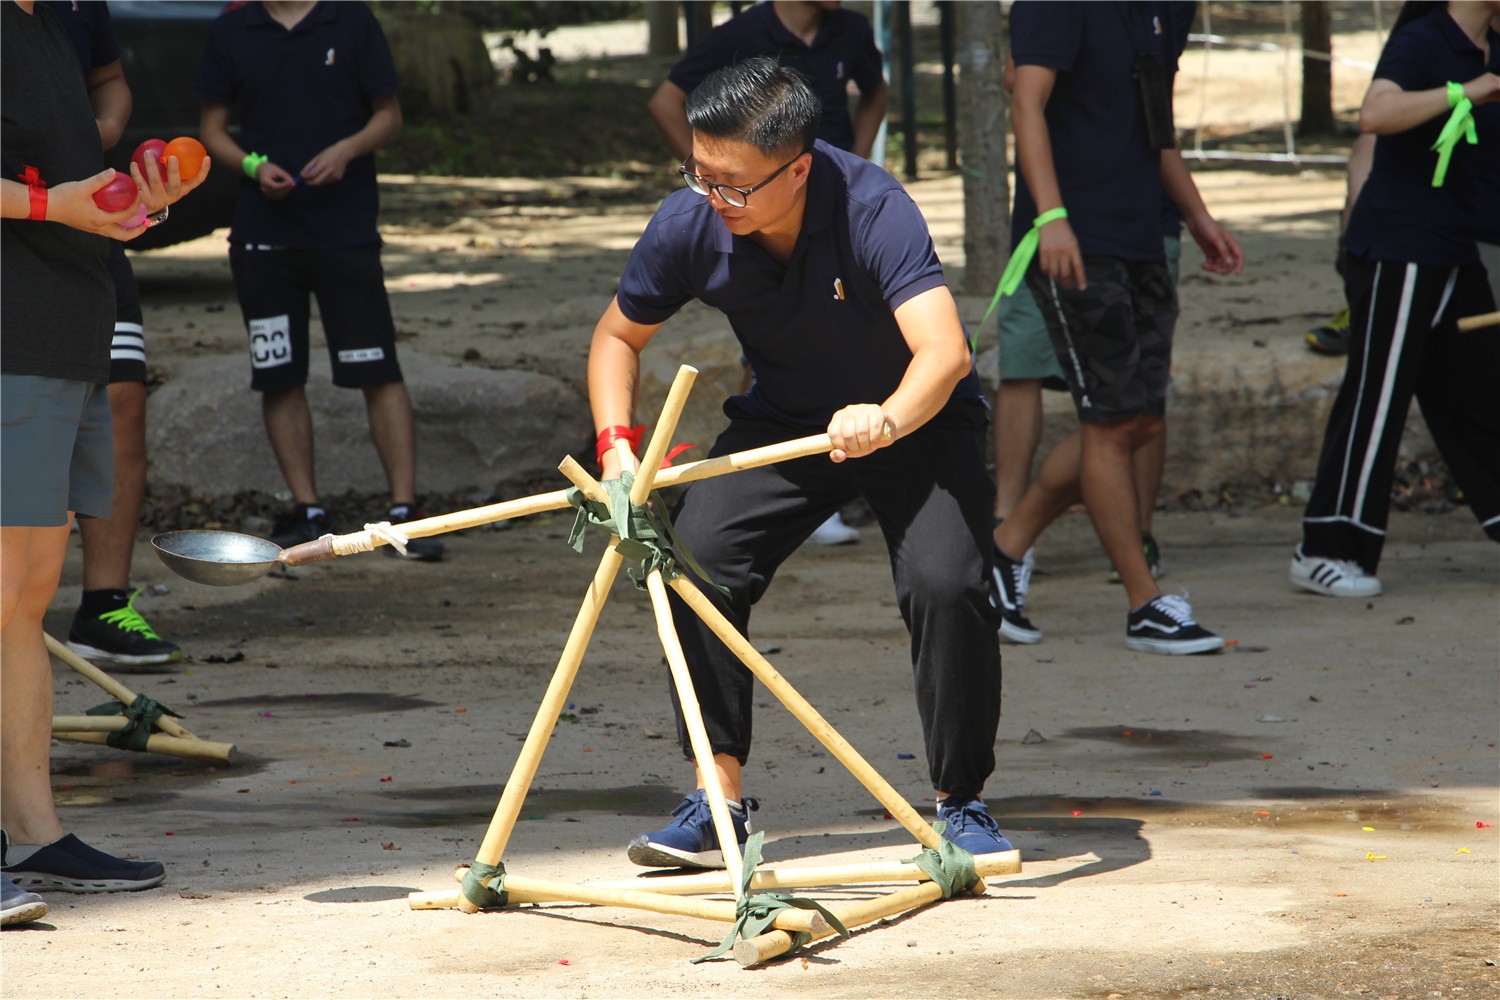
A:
118, 195
151, 155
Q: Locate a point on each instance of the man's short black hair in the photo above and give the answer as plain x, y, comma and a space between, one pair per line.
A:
759, 102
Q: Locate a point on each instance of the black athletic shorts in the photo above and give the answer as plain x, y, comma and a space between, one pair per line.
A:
1114, 338
127, 351
274, 285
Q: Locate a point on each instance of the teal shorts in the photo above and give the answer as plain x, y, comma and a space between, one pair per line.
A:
1026, 351
57, 451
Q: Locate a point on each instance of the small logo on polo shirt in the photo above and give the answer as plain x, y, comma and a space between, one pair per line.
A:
839, 73
328, 59
1156, 24
838, 289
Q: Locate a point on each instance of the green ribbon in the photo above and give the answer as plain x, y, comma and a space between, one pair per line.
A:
1015, 268
1459, 127
950, 866
484, 885
647, 538
755, 913
143, 714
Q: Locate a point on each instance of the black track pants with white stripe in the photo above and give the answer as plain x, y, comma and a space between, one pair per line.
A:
1404, 342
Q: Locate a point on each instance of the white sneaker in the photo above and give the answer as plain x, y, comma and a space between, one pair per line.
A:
1331, 577
834, 532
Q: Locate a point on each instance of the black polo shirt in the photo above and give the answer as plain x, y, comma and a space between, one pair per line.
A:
843, 50
90, 30
1109, 175
295, 93
819, 331
1399, 215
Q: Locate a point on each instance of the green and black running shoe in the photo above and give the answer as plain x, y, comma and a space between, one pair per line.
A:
120, 636
1333, 336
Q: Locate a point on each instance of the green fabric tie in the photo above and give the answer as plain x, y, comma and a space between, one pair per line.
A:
143, 714
1015, 268
484, 885
647, 539
756, 913
1460, 127
950, 866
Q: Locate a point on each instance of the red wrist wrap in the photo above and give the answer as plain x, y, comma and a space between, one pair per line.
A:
607, 438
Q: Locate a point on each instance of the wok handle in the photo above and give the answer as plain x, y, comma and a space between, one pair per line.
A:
307, 552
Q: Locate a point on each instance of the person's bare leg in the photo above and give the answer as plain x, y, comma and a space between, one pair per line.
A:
1109, 493
1147, 464
1055, 489
395, 437
109, 544
31, 562
729, 776
289, 426
1017, 433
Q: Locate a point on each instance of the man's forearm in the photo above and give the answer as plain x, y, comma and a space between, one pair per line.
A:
112, 102
383, 126
868, 115
1034, 156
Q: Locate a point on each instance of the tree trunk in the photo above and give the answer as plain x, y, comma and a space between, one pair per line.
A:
661, 23
1317, 72
982, 127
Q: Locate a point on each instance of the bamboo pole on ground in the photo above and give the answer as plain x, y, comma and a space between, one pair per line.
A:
175, 746
112, 687
764, 947
775, 879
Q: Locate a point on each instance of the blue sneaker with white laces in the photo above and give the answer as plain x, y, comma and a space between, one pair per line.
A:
971, 827
689, 840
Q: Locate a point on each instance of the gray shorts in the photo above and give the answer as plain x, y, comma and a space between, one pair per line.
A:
57, 451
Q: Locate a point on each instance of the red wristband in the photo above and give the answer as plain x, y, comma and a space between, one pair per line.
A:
618, 432
38, 203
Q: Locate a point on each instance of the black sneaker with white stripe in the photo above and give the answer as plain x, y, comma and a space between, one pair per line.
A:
1012, 577
1165, 624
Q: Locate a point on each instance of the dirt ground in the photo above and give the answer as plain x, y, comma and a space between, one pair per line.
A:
1311, 814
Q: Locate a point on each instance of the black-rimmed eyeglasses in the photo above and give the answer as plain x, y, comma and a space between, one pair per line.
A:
734, 197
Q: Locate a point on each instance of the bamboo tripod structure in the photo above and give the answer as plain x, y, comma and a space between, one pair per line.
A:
662, 894
173, 738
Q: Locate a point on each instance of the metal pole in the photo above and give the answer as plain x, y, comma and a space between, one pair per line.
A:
908, 90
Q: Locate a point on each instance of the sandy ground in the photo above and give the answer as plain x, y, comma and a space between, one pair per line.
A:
1313, 814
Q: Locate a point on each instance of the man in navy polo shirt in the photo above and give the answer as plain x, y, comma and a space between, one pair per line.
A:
314, 89
1092, 118
826, 44
825, 270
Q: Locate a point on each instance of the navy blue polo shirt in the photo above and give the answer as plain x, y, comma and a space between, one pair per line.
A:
819, 331
843, 50
1109, 175
294, 94
1399, 215
90, 30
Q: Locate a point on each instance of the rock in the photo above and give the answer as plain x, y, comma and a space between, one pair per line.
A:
476, 427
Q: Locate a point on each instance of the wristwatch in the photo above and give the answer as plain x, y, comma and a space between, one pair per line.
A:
157, 218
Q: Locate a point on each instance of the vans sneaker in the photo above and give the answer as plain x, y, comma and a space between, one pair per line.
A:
689, 840
1331, 577
971, 827
1012, 577
120, 635
1165, 624
70, 865
17, 906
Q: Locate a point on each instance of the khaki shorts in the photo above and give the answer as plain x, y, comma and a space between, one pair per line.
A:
57, 451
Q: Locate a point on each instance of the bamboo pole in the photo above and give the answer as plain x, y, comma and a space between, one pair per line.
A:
775, 879
175, 746
692, 715
556, 696
661, 437
764, 947
1468, 323
805, 713
112, 687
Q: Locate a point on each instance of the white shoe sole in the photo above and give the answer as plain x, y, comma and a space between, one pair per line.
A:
1019, 635
96, 655
649, 855
23, 913
44, 882
1175, 647
1367, 586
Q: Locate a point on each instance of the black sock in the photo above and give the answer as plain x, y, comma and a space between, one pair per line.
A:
101, 602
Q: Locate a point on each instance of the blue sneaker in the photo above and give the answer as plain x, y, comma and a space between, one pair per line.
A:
971, 827
70, 865
17, 906
689, 840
